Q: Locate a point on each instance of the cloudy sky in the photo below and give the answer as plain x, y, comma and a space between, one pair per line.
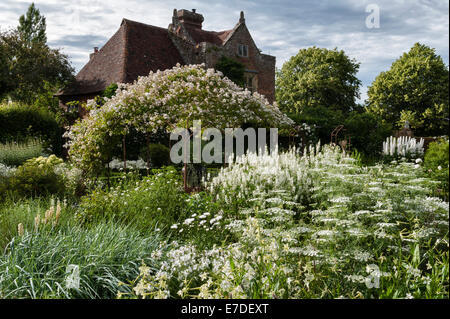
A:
279, 28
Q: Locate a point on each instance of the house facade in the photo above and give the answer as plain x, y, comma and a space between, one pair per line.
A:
138, 48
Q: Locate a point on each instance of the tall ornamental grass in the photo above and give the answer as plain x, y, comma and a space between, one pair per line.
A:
25, 212
73, 262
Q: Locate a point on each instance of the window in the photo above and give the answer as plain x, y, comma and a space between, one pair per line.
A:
243, 50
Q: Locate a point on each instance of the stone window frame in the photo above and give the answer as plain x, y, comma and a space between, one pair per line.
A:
242, 50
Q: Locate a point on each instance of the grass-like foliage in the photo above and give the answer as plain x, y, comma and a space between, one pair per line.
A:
25, 212
37, 263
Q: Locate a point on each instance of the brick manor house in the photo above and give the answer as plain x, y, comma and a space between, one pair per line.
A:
138, 48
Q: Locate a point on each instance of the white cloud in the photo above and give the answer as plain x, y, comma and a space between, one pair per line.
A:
280, 28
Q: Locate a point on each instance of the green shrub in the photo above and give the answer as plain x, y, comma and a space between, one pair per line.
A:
37, 177
75, 183
154, 201
159, 155
324, 120
19, 122
365, 130
198, 228
16, 153
436, 162
367, 133
36, 264
437, 154
110, 90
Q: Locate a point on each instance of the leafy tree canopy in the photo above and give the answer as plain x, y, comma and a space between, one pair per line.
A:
32, 26
318, 77
414, 89
28, 66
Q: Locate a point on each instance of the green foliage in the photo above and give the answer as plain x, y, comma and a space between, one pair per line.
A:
69, 116
37, 177
16, 153
203, 226
324, 120
159, 154
110, 90
24, 211
19, 122
416, 88
155, 201
5, 81
30, 66
47, 101
232, 69
436, 161
437, 154
367, 133
32, 27
36, 264
318, 77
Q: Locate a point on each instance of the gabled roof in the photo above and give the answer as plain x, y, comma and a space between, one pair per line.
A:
134, 50
199, 35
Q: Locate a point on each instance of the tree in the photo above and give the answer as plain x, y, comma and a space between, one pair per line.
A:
318, 77
415, 89
5, 80
32, 26
232, 69
29, 67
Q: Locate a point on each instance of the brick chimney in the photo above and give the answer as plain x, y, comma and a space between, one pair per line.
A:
190, 18
242, 18
92, 54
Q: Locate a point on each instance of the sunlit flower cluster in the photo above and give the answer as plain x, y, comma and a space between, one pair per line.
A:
6, 171
403, 146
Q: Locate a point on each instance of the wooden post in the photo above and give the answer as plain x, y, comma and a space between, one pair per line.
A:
109, 173
147, 138
185, 165
124, 154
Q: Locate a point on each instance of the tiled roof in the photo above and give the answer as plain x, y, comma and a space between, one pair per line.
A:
134, 50
199, 35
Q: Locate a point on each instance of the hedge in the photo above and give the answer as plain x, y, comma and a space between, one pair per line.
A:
18, 122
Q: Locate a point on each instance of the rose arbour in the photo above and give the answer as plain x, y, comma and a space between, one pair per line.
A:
166, 100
